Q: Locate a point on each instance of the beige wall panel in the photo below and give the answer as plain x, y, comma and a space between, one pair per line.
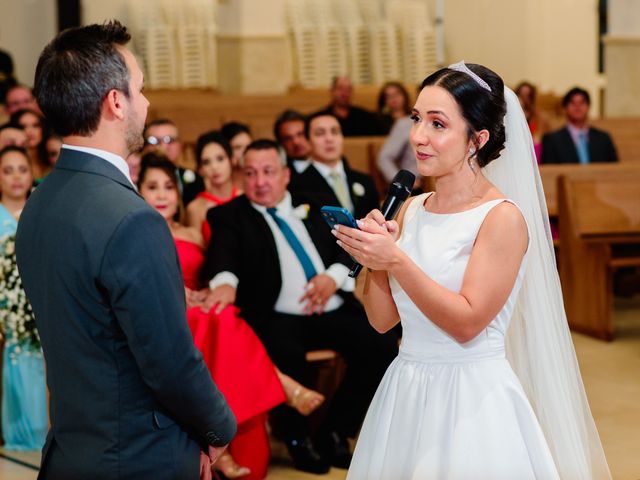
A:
26, 26
254, 65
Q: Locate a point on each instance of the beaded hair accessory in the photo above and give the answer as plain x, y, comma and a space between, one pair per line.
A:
462, 67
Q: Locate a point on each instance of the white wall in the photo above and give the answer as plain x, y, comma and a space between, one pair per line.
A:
624, 17
26, 26
99, 11
552, 43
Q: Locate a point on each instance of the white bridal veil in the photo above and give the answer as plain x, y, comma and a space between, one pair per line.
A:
539, 346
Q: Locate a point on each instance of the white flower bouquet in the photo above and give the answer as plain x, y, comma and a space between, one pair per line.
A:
17, 323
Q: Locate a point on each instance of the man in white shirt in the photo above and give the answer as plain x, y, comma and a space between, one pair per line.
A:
329, 180
275, 258
162, 134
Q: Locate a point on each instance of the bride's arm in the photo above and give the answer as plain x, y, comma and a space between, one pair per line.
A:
377, 299
488, 279
378, 302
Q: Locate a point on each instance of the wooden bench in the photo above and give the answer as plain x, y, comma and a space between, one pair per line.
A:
625, 133
196, 111
597, 214
358, 152
551, 173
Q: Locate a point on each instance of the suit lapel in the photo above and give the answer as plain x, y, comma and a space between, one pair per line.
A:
569, 152
320, 184
263, 237
592, 145
317, 229
355, 199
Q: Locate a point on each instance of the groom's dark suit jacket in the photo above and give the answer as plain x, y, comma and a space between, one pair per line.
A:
242, 243
130, 395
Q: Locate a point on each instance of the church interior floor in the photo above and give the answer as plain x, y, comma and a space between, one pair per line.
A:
611, 374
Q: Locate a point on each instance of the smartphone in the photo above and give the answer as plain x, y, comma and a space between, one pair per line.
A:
338, 215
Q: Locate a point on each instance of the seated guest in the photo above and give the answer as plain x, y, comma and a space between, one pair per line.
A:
213, 156
577, 142
52, 146
234, 355
278, 262
393, 104
537, 121
289, 131
162, 134
397, 154
12, 136
7, 80
134, 160
239, 136
19, 97
354, 121
36, 129
24, 403
329, 180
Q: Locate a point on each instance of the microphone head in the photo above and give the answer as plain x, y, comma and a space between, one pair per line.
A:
402, 184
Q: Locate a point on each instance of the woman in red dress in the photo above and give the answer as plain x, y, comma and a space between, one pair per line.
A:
213, 156
237, 360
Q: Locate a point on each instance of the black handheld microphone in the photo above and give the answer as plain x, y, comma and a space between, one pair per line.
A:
399, 191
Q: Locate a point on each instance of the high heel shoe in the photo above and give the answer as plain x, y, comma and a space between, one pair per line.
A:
227, 467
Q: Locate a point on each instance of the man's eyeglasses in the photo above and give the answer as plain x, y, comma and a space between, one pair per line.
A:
165, 140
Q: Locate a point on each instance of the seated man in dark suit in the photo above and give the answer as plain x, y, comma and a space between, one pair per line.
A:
329, 180
354, 121
577, 142
278, 262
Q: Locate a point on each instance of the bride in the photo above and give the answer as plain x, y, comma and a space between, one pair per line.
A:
486, 384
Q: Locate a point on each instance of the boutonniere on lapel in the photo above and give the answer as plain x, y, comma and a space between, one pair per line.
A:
358, 189
302, 211
188, 176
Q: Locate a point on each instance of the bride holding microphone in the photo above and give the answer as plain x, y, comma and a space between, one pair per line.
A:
486, 384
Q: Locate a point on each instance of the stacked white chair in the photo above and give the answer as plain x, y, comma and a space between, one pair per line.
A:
318, 42
176, 41
371, 11
307, 63
417, 38
348, 14
385, 59
160, 55
155, 43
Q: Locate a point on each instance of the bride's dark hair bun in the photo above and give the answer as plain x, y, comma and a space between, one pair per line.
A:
482, 109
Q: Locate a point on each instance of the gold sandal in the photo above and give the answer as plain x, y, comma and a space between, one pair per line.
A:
228, 467
304, 400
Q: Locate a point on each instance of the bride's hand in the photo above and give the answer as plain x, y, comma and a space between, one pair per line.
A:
374, 244
391, 225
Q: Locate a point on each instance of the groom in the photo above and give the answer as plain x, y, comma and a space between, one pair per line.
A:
130, 395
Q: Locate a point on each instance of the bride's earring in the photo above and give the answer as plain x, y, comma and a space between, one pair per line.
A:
472, 152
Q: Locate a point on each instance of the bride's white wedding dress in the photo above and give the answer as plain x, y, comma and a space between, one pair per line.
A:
446, 410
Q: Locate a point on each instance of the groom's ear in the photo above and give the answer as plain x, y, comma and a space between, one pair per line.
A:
113, 105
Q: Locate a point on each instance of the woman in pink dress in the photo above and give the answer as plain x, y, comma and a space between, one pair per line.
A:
213, 157
237, 360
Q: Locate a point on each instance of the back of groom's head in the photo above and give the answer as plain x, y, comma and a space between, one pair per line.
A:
76, 71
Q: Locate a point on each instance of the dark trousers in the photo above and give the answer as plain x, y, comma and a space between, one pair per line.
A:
346, 330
